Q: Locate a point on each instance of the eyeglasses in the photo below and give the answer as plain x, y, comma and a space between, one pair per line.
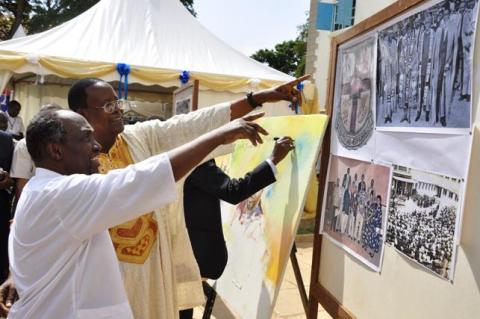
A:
112, 106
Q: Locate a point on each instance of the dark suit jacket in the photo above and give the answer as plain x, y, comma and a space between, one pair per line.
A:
6, 153
202, 192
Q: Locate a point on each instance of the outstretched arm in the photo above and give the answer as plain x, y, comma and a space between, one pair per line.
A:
284, 92
212, 180
186, 157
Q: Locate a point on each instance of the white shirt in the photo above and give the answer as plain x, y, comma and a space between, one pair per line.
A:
22, 164
61, 256
15, 124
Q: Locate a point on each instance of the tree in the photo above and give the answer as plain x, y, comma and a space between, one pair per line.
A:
288, 56
14, 12
40, 15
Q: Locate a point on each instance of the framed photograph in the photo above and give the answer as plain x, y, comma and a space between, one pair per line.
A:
355, 208
425, 70
423, 218
185, 98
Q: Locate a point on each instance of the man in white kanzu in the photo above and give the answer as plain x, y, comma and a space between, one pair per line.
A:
61, 256
159, 269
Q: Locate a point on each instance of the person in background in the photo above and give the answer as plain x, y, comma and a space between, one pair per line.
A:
3, 122
6, 183
23, 168
202, 192
15, 122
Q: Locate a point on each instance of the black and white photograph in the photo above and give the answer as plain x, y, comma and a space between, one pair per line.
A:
354, 121
424, 69
422, 218
185, 98
183, 106
355, 207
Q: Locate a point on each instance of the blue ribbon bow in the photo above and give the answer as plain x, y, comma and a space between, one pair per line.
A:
184, 77
296, 105
123, 69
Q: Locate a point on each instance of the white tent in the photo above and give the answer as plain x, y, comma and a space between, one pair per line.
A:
158, 38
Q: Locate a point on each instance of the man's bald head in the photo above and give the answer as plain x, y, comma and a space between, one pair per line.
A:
62, 140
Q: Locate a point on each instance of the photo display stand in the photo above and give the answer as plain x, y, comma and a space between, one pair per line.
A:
409, 106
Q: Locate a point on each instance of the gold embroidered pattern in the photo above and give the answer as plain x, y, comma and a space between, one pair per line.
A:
134, 239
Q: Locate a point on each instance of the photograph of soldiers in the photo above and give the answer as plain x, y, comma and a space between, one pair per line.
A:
354, 214
353, 94
424, 68
422, 218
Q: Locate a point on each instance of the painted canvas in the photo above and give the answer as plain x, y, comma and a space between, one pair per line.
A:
422, 223
260, 231
354, 94
355, 207
425, 69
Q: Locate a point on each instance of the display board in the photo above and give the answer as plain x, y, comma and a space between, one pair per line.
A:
402, 95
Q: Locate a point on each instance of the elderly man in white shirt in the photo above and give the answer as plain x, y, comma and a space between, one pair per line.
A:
61, 255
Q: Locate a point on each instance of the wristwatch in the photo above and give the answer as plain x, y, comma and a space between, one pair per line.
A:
251, 101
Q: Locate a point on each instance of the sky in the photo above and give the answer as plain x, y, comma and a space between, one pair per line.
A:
250, 25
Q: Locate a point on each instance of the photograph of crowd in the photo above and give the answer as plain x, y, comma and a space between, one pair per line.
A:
355, 207
422, 218
424, 68
353, 94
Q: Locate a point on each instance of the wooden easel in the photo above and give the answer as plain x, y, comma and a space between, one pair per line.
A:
212, 294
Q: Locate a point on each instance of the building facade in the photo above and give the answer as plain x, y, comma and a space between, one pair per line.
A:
327, 19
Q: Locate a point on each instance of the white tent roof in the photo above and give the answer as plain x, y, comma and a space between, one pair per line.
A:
159, 34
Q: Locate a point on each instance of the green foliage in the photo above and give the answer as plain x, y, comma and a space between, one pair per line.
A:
40, 15
50, 13
5, 26
288, 56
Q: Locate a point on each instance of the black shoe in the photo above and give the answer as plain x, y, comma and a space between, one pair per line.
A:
443, 120
418, 116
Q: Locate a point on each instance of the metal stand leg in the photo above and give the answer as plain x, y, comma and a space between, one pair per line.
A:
211, 295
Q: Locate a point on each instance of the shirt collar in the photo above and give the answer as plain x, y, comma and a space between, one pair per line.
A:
45, 173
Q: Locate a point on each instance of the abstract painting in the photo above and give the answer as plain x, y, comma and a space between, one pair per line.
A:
260, 231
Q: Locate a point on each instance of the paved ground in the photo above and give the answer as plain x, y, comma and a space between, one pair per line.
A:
289, 305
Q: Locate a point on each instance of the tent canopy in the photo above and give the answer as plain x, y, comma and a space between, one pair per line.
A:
158, 38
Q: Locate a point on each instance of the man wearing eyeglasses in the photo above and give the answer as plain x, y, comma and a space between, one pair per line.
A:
158, 266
